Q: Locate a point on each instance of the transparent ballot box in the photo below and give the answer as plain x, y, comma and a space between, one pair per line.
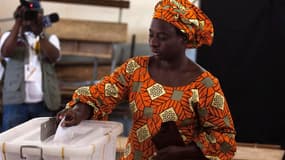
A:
90, 140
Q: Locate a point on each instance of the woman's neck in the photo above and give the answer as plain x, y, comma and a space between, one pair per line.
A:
172, 64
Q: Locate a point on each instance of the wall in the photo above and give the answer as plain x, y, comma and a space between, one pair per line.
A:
138, 16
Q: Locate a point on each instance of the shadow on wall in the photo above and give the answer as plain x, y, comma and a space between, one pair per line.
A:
122, 52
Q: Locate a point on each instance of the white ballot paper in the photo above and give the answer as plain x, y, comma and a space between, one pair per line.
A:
68, 135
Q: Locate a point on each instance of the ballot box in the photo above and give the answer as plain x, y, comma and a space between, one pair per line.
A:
94, 140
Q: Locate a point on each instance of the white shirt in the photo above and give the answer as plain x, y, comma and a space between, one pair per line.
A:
33, 78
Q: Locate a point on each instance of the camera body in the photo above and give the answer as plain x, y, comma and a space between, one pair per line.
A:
33, 7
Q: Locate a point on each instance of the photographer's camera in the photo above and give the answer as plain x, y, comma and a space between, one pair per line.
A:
32, 8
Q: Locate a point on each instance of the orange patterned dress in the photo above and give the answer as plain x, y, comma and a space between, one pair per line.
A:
199, 109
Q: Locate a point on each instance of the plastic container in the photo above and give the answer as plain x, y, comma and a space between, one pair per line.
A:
23, 142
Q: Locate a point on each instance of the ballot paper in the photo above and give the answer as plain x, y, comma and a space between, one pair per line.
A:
68, 135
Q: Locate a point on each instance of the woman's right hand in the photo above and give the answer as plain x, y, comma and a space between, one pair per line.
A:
73, 116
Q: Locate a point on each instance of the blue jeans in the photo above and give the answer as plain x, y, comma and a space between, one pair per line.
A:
15, 114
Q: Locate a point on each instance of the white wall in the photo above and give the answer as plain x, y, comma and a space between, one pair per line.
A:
138, 16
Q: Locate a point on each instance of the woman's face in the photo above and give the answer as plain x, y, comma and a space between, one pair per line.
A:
164, 40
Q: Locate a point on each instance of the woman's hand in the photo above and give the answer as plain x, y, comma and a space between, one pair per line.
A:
169, 153
69, 117
74, 115
188, 152
61, 114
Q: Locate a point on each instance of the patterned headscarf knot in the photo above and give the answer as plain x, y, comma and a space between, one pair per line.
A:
188, 18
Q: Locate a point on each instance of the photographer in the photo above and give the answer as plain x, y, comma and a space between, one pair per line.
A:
30, 86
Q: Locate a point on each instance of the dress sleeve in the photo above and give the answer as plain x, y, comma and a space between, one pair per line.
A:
216, 137
104, 95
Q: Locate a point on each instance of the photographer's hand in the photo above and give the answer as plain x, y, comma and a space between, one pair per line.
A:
49, 51
19, 12
39, 24
11, 41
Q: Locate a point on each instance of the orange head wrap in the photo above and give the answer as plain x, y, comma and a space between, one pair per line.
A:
188, 18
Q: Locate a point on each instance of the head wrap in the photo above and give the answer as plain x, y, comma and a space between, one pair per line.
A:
188, 18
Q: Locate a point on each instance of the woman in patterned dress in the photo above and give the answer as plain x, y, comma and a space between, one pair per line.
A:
165, 87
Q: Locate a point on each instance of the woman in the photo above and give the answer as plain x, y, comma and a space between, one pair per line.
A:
165, 87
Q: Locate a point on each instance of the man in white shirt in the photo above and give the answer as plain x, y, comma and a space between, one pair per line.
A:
30, 86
